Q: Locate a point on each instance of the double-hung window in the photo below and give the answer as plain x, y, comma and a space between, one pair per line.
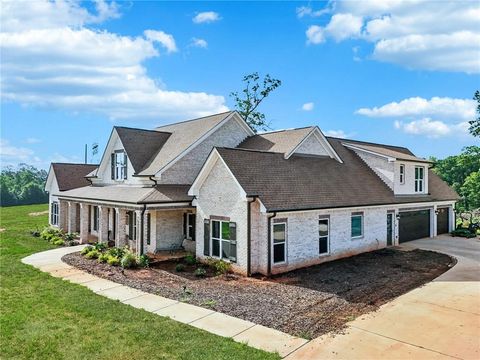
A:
402, 174
323, 235
419, 179
279, 242
119, 165
357, 225
95, 218
54, 213
224, 244
190, 226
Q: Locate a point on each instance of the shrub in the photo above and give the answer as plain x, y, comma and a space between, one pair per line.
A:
93, 254
143, 261
100, 246
180, 267
50, 232
220, 266
190, 260
35, 233
117, 252
129, 260
113, 260
70, 236
463, 232
86, 249
200, 272
57, 241
103, 258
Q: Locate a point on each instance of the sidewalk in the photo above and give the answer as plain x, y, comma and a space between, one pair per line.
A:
254, 335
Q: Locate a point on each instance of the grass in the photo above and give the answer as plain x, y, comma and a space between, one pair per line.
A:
42, 317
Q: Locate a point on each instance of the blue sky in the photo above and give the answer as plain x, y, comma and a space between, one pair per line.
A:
389, 72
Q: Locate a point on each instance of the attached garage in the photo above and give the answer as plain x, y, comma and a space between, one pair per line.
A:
413, 225
442, 221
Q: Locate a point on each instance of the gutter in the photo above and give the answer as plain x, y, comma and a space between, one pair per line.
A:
269, 250
249, 234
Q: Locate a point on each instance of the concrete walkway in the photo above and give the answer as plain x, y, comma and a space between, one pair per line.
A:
437, 321
254, 335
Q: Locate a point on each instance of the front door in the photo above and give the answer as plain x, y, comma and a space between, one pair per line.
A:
389, 229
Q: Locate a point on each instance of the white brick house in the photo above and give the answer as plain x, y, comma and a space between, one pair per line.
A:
267, 203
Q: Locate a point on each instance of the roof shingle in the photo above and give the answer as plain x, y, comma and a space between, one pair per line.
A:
72, 176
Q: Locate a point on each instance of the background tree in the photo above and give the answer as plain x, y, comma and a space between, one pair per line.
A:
475, 124
248, 100
22, 186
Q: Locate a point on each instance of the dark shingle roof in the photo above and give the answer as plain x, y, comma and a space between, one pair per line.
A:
303, 182
389, 151
283, 141
141, 145
72, 176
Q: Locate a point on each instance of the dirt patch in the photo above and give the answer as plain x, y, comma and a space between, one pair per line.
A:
2, 229
40, 213
307, 302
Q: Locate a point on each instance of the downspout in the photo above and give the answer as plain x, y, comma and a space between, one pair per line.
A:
269, 250
249, 234
141, 228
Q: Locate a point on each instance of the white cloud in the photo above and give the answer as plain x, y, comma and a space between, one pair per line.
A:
56, 62
32, 140
421, 34
337, 133
201, 43
440, 107
206, 17
166, 40
11, 155
303, 11
428, 127
308, 106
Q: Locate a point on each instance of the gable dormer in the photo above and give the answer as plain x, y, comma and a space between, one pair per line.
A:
314, 143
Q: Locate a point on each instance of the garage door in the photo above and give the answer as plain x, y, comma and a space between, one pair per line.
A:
442, 221
414, 225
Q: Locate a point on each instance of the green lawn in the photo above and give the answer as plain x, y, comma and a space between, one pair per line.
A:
42, 317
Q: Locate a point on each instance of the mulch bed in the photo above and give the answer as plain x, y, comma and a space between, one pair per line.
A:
307, 302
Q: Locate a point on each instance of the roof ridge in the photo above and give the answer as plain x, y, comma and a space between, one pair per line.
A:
366, 142
132, 128
195, 119
292, 129
251, 150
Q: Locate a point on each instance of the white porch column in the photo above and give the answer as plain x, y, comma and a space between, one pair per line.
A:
120, 236
147, 234
434, 222
138, 238
84, 220
103, 224
451, 218
72, 217
62, 215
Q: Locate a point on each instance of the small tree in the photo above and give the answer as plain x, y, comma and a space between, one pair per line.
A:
248, 100
475, 124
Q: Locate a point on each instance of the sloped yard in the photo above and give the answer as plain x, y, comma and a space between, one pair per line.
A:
307, 302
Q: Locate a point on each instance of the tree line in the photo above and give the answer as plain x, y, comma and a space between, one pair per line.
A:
23, 185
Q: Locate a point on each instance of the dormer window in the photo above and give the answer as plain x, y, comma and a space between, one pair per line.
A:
419, 179
119, 165
402, 174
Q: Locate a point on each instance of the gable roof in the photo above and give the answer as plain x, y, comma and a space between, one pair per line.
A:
183, 136
281, 141
72, 176
397, 153
303, 182
141, 145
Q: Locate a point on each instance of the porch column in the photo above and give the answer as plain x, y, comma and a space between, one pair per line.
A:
72, 217
451, 218
84, 220
146, 232
120, 236
434, 222
138, 239
103, 224
62, 215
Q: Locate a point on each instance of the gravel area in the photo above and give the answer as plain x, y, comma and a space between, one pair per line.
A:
307, 302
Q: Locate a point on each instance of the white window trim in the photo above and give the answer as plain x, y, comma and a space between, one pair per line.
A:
402, 174
54, 213
363, 230
285, 244
328, 237
220, 239
120, 167
420, 180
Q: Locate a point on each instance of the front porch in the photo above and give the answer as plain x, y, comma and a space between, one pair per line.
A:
142, 228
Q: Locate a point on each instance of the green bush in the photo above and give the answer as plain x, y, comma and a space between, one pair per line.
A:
220, 266
113, 260
117, 252
49, 232
463, 232
190, 260
86, 249
129, 260
200, 272
143, 261
103, 258
69, 236
180, 268
100, 246
57, 241
94, 254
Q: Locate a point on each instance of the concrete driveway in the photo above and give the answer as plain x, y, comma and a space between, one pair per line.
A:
436, 321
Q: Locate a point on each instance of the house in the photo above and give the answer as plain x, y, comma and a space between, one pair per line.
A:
268, 203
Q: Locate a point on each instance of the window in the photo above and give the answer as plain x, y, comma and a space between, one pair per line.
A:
95, 218
191, 226
323, 236
279, 242
132, 225
224, 244
148, 228
357, 225
402, 174
419, 179
54, 213
119, 165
